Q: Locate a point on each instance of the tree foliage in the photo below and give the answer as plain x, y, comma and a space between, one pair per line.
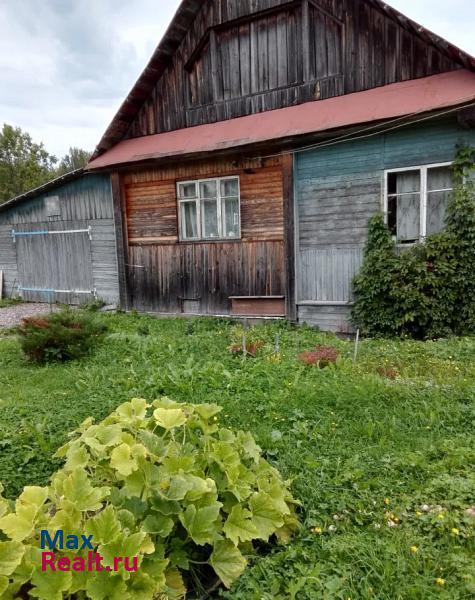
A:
25, 165
427, 290
76, 158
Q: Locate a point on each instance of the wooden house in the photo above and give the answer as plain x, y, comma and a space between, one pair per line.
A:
261, 137
57, 242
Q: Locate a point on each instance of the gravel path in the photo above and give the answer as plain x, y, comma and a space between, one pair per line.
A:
12, 315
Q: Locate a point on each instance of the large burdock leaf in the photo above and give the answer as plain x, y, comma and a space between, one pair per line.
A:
104, 527
77, 457
125, 546
3, 585
175, 588
239, 526
227, 561
207, 411
123, 461
136, 409
169, 418
33, 496
265, 516
228, 459
104, 586
11, 554
50, 586
202, 523
158, 525
20, 525
77, 490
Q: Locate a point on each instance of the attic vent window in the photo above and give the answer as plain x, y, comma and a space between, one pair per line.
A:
416, 201
209, 209
52, 206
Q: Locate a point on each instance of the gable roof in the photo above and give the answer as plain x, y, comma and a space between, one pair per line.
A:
186, 13
394, 101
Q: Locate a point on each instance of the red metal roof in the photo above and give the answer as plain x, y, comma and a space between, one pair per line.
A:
396, 100
186, 13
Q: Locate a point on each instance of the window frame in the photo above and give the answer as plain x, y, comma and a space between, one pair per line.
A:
198, 202
423, 193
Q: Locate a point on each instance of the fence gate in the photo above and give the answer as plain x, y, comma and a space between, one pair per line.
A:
54, 263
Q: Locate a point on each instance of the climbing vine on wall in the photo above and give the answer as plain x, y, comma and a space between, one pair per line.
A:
428, 290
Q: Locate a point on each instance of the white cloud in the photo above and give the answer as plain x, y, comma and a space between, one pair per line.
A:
66, 65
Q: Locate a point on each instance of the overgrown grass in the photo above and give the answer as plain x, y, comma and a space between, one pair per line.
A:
6, 302
381, 453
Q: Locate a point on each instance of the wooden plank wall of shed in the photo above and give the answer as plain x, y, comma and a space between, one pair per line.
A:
338, 189
162, 271
83, 203
8, 262
307, 50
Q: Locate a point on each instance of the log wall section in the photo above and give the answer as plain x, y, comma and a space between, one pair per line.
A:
167, 276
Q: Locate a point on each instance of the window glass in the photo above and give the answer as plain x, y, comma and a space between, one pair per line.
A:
208, 189
229, 187
439, 179
405, 182
408, 218
209, 217
436, 211
406, 200
187, 190
230, 207
439, 190
209, 209
189, 220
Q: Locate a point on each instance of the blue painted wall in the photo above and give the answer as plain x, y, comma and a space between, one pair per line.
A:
338, 188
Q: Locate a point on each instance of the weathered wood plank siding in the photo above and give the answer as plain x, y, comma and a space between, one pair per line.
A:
338, 189
245, 56
69, 261
166, 275
8, 261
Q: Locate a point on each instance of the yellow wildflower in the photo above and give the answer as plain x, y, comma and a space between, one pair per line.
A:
440, 581
414, 549
455, 531
387, 501
418, 513
317, 530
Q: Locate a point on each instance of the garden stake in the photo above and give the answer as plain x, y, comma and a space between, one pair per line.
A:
357, 341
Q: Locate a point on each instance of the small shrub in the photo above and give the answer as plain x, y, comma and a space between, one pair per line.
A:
323, 356
61, 336
160, 482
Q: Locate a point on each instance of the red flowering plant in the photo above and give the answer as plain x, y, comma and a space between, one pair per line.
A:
323, 356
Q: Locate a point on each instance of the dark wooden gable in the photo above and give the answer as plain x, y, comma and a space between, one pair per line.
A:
222, 59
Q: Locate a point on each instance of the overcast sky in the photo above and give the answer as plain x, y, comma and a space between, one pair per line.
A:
66, 65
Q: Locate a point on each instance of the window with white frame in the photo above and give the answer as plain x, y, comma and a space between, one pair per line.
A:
209, 209
416, 201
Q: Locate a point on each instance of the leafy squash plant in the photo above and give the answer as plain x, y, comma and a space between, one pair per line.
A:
158, 481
